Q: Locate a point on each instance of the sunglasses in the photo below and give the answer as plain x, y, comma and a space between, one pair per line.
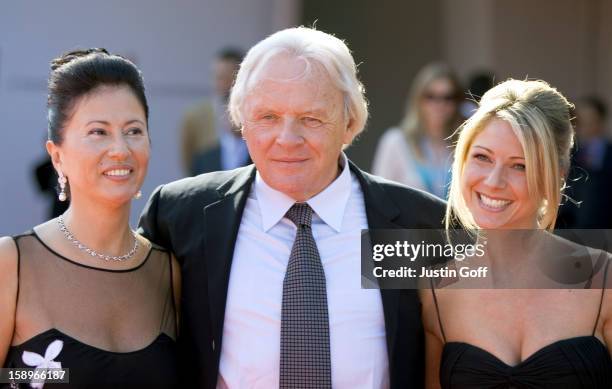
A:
449, 98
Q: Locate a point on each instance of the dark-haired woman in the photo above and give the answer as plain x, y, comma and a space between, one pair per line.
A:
83, 291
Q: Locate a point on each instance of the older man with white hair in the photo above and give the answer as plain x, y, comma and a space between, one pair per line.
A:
270, 253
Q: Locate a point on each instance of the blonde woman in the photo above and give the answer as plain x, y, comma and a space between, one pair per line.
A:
417, 152
509, 164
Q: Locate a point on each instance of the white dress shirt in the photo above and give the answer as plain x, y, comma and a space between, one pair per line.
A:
250, 353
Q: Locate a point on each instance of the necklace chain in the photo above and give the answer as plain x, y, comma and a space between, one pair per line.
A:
93, 253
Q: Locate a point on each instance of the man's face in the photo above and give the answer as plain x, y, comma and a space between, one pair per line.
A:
224, 71
295, 127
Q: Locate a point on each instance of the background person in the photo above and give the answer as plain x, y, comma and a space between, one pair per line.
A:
417, 152
209, 140
479, 83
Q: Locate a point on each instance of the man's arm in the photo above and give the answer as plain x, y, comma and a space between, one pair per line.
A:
149, 225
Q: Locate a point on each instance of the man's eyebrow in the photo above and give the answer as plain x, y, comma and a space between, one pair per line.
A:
316, 112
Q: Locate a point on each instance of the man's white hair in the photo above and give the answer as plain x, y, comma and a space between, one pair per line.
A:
315, 48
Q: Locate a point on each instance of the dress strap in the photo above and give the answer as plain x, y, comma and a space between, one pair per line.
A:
603, 290
15, 241
18, 272
435, 299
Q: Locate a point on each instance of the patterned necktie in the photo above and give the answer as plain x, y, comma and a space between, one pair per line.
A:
305, 357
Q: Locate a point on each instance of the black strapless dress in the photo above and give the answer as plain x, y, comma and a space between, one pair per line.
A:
581, 362
573, 363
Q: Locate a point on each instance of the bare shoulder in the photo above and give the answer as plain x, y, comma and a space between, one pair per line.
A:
9, 265
175, 263
8, 255
426, 298
8, 292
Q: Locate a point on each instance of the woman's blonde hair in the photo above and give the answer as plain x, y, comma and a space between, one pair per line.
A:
412, 123
540, 117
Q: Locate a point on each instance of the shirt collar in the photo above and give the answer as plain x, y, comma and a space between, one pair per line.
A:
329, 204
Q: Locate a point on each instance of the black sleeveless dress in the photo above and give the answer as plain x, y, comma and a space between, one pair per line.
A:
110, 328
579, 362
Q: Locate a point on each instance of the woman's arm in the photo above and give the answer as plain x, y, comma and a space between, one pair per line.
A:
8, 294
433, 354
433, 341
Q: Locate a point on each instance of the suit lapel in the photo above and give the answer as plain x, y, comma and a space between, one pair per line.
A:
222, 221
381, 213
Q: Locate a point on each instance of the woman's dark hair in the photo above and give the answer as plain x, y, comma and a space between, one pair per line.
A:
79, 72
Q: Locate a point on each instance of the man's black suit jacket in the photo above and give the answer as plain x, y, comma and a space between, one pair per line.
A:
198, 218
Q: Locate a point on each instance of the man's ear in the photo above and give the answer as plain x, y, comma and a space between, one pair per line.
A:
349, 132
54, 152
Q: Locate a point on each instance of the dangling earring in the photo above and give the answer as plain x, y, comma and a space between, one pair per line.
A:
62, 184
138, 195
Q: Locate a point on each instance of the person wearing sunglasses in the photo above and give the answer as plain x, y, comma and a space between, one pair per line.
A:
416, 152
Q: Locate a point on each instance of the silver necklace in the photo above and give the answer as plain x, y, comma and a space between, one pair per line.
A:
93, 253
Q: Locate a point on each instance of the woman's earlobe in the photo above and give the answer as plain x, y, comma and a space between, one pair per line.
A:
49, 145
53, 151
